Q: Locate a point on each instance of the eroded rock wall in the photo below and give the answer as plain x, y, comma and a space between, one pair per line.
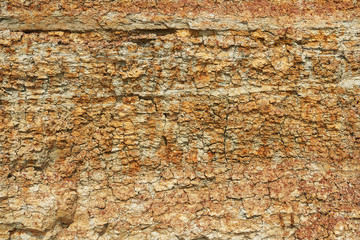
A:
179, 119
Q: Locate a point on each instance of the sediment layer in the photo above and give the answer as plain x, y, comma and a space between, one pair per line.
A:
179, 120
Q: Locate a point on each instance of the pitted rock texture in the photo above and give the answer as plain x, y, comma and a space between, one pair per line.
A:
179, 120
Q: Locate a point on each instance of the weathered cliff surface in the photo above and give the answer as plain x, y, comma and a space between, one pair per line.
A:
179, 119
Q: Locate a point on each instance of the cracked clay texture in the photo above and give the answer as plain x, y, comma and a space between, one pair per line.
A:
179, 119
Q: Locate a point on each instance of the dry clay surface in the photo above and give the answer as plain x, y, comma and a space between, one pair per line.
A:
179, 120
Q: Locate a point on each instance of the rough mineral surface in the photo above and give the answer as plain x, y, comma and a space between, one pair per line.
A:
179, 119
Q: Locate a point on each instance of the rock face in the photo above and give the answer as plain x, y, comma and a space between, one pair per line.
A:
179, 119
